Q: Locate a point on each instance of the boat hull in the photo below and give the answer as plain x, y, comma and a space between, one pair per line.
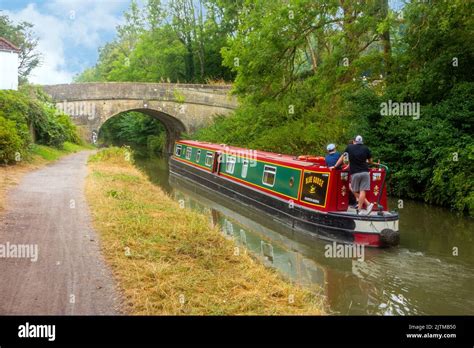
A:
376, 231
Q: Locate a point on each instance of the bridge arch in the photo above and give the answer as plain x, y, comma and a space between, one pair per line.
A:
173, 126
180, 107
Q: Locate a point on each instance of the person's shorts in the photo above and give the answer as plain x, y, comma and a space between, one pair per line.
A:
360, 182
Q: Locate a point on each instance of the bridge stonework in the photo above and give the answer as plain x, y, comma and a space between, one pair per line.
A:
180, 107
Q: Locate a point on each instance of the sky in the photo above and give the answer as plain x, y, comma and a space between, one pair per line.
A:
70, 32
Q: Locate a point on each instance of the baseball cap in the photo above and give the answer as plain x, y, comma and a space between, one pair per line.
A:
331, 147
358, 139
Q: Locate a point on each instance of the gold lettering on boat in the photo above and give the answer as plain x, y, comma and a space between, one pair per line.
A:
314, 180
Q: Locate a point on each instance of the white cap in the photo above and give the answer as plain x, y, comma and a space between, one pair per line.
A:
331, 147
358, 139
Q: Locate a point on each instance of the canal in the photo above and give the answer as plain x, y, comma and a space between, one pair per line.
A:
431, 272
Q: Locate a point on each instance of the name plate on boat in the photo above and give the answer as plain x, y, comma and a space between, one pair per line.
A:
315, 186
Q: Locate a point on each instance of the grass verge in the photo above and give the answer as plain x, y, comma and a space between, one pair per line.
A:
47, 153
170, 261
40, 155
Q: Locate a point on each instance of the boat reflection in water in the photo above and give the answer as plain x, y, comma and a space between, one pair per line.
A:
300, 257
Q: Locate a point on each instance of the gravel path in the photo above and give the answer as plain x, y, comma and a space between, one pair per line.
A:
48, 211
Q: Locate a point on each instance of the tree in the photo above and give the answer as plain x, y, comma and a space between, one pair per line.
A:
159, 56
184, 24
182, 43
22, 36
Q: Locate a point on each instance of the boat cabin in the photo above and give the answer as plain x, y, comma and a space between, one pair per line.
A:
301, 180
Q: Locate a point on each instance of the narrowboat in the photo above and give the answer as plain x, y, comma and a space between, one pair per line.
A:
300, 191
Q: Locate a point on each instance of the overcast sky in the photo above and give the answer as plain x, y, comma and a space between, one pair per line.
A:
69, 31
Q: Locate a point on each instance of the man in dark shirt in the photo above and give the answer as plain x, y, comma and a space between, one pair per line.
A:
359, 159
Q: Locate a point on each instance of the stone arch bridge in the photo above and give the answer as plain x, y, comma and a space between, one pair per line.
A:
180, 107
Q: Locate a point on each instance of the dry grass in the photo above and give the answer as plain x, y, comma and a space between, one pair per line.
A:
169, 261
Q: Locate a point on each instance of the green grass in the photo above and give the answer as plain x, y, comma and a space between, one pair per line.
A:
52, 154
70, 147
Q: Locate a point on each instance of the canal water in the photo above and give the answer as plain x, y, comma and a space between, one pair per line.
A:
431, 272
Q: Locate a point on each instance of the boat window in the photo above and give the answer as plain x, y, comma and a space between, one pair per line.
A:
178, 150
245, 168
198, 155
209, 159
230, 166
269, 174
189, 151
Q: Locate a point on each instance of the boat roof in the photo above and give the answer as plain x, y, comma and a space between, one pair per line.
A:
290, 160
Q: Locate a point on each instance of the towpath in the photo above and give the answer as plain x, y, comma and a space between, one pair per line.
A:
47, 211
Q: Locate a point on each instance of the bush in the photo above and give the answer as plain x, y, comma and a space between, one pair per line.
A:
452, 181
30, 109
15, 107
11, 143
69, 129
430, 157
50, 132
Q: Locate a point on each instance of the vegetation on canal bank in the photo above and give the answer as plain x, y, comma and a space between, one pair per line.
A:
28, 117
169, 260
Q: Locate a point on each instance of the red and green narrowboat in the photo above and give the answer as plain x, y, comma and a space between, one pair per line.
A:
300, 191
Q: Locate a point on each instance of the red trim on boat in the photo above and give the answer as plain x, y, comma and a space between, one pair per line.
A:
264, 156
368, 239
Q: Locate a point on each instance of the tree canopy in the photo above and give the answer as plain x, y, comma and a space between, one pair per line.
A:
177, 42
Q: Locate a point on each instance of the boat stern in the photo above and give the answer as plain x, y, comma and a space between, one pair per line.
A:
379, 229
